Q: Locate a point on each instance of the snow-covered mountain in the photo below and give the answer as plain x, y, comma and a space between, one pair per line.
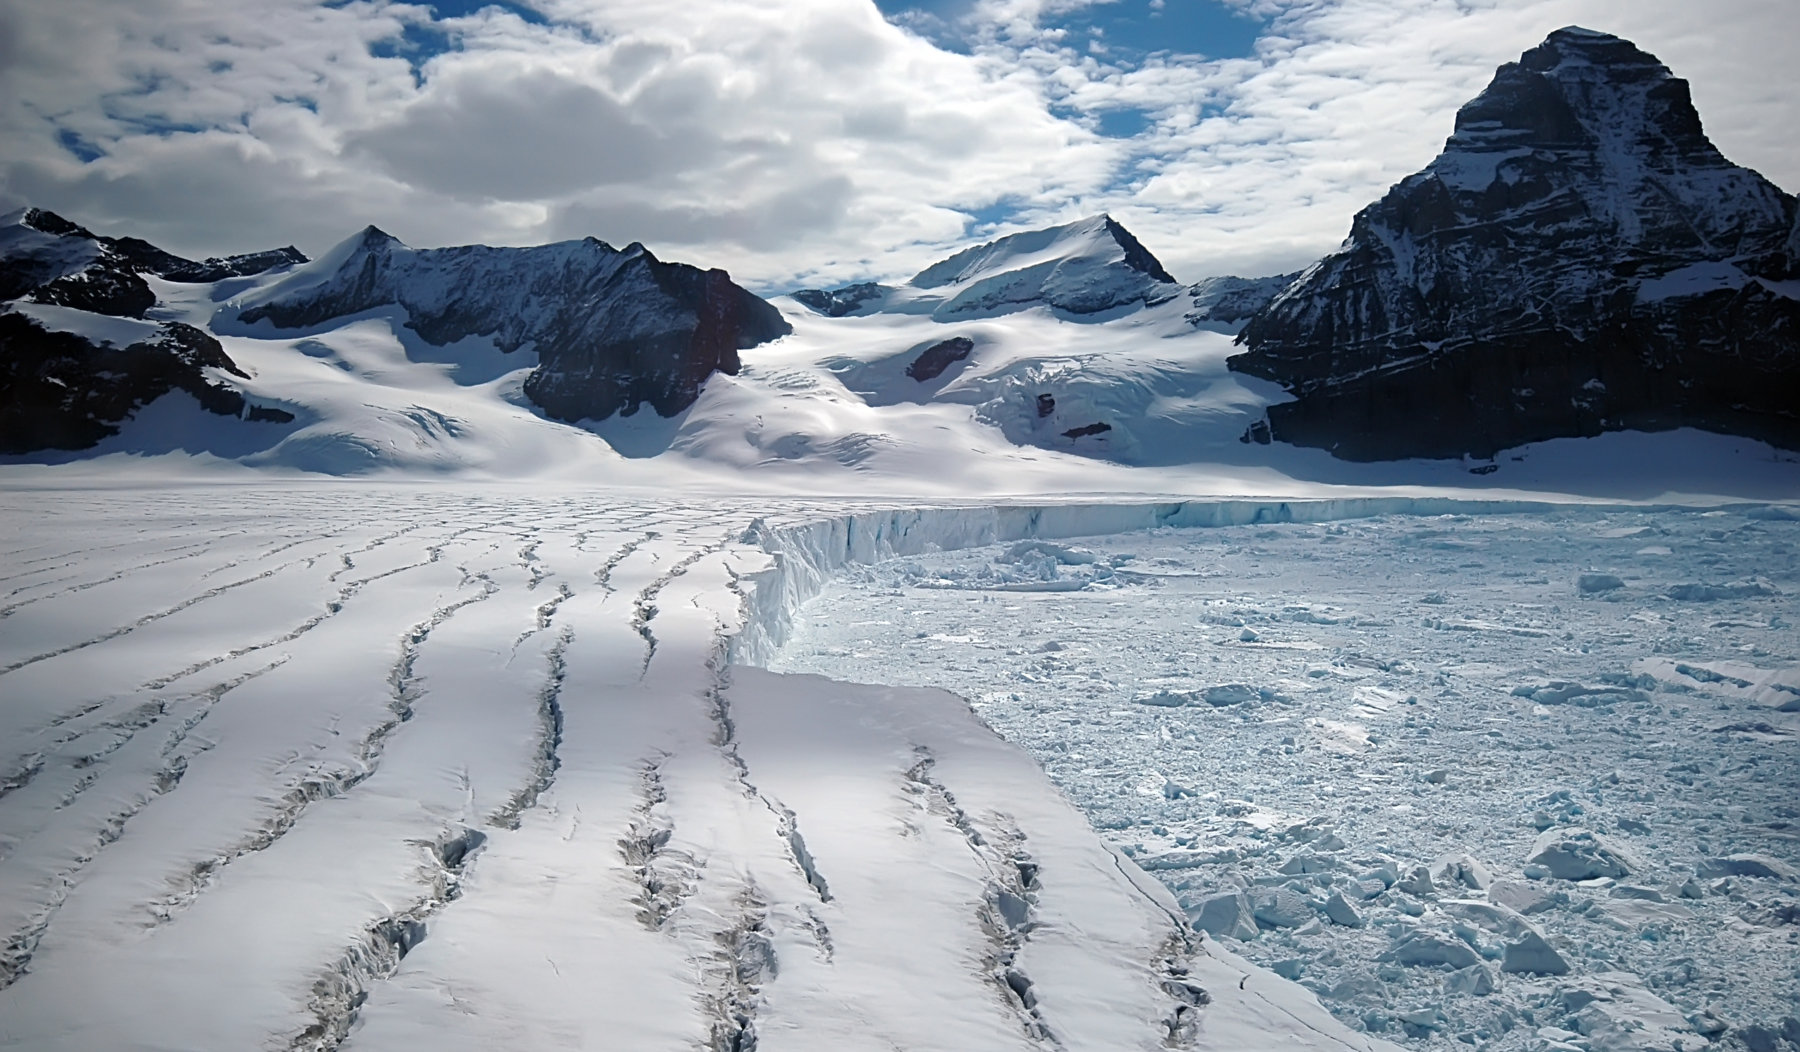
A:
48, 259
1579, 259
1088, 267
612, 329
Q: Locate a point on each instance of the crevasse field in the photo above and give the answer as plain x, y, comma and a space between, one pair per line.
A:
374, 766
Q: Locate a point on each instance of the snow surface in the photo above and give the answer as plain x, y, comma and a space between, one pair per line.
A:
339, 765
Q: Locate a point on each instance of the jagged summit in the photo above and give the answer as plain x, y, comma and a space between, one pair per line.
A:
1580, 258
1087, 267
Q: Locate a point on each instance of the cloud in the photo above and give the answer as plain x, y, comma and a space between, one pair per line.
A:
811, 140
501, 127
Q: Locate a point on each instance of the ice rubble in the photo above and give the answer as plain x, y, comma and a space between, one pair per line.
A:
1468, 800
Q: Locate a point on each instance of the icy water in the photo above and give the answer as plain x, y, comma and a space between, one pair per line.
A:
1411, 744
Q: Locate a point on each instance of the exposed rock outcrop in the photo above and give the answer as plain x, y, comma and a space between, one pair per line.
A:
933, 360
59, 390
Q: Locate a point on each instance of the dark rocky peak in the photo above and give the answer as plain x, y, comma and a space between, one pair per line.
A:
612, 329
374, 239
1579, 258
1137, 257
48, 222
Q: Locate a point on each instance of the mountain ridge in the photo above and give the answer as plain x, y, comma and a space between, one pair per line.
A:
613, 329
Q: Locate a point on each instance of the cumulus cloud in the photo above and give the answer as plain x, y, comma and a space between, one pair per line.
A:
811, 140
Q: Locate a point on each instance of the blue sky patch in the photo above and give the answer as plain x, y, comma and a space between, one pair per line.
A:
461, 8
420, 42
1129, 31
1123, 123
82, 149
1125, 32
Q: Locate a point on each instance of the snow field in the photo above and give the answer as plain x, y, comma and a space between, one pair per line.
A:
324, 766
1367, 753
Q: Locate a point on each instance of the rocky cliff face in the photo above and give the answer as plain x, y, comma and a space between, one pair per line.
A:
613, 329
1580, 258
60, 390
49, 259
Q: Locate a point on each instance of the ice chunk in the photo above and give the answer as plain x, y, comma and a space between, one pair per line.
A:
1561, 692
1225, 914
1429, 948
1475, 981
1525, 899
1281, 907
1490, 915
1060, 553
1706, 593
1747, 864
1339, 911
1417, 882
1302, 864
1453, 869
1580, 854
1531, 955
1168, 699
1640, 913
1231, 694
1616, 1012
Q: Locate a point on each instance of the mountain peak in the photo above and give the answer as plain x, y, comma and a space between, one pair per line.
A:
45, 221
1087, 267
1579, 258
373, 237
1137, 257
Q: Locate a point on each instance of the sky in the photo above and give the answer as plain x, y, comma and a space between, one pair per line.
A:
798, 142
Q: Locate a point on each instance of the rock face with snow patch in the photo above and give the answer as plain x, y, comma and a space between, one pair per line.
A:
49, 259
1232, 301
613, 329
1579, 259
1083, 268
58, 390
